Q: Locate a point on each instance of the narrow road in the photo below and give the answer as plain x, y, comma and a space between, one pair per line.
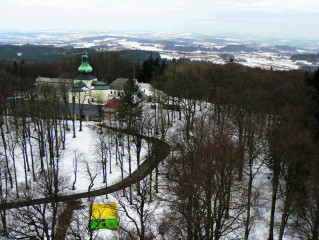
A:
65, 219
160, 151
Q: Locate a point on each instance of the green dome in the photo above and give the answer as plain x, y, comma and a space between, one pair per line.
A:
85, 66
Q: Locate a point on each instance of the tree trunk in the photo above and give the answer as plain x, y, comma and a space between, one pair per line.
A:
247, 222
273, 203
6, 155
284, 218
241, 149
73, 118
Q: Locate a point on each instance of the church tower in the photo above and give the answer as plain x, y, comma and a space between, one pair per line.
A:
85, 72
87, 89
85, 66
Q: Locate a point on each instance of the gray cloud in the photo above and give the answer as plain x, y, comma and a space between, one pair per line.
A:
248, 16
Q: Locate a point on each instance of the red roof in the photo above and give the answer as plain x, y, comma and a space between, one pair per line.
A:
113, 103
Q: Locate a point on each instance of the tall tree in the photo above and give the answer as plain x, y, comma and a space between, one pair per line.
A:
129, 107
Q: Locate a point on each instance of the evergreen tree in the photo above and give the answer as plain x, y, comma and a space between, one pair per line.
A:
129, 107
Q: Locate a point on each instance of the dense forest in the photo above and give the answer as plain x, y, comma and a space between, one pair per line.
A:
238, 123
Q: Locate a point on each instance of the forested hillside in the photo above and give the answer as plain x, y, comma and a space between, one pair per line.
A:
243, 160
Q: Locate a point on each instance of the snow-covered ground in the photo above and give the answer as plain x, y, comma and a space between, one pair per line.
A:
86, 146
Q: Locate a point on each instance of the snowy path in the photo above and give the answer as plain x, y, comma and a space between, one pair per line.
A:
160, 151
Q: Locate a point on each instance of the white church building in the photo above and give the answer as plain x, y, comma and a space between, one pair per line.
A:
87, 89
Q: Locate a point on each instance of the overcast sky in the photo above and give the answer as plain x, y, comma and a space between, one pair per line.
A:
275, 18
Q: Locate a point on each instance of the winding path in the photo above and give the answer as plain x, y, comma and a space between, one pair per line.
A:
160, 151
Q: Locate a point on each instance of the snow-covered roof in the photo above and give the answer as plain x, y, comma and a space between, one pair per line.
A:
146, 89
146, 86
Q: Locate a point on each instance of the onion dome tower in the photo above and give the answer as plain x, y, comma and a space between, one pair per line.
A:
85, 71
85, 66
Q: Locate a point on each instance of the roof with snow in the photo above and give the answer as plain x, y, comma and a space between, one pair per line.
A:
146, 89
146, 86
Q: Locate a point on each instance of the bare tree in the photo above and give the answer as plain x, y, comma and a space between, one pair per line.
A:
255, 146
203, 165
75, 168
139, 213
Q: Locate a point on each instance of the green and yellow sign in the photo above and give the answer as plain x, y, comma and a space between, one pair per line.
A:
103, 216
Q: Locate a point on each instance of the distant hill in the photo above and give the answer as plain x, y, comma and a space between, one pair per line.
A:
235, 48
140, 55
47, 53
185, 48
308, 68
309, 57
285, 48
269, 49
217, 41
31, 53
